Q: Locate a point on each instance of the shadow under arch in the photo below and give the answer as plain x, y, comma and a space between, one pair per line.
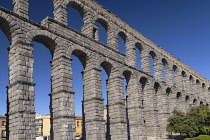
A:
156, 87
82, 56
168, 91
107, 67
143, 82
46, 41
4, 26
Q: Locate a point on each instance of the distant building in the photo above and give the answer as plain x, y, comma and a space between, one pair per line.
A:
42, 127
2, 127
78, 121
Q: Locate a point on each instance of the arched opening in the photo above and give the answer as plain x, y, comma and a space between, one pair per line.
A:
187, 98
194, 102
164, 65
127, 75
106, 70
138, 48
42, 54
174, 72
143, 82
209, 89
152, 56
4, 79
42, 75
201, 102
100, 31
198, 83
156, 87
178, 95
78, 65
75, 16
168, 91
183, 76
191, 79
203, 85
122, 42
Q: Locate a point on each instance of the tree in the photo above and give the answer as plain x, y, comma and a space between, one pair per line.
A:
192, 123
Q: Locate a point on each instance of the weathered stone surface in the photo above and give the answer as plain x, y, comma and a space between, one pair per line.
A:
149, 99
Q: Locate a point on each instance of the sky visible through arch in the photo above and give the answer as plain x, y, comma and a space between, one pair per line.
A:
181, 27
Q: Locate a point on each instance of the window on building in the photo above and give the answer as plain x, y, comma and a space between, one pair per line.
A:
3, 123
45, 137
77, 123
3, 133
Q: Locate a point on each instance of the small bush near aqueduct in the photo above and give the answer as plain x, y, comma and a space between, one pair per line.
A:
201, 137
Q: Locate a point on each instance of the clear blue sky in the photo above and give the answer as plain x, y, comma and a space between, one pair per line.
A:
181, 27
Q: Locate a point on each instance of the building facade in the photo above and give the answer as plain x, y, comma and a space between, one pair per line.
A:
2, 127
42, 127
78, 125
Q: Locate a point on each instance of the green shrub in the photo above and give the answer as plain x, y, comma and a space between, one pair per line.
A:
204, 137
200, 137
188, 139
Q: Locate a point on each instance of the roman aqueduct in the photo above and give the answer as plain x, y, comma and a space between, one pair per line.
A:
150, 99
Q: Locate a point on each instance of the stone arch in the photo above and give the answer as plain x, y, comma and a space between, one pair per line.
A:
107, 64
77, 6
156, 87
152, 60
187, 98
184, 75
103, 22
168, 91
127, 75
194, 101
164, 61
139, 46
97, 30
178, 95
82, 56
6, 24
191, 78
123, 35
198, 82
203, 85
174, 72
143, 81
122, 46
153, 54
164, 68
44, 37
107, 67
